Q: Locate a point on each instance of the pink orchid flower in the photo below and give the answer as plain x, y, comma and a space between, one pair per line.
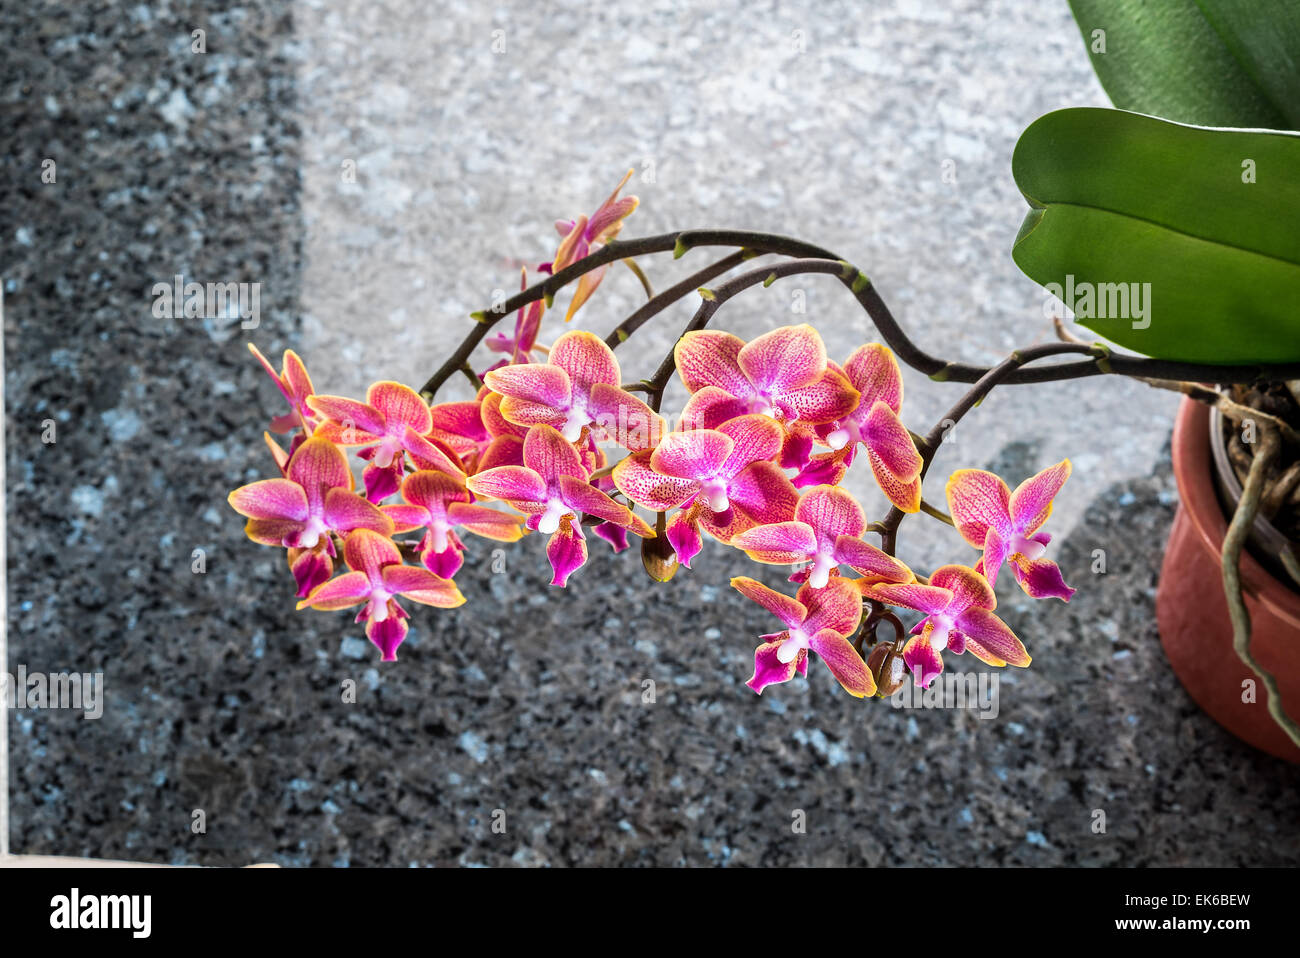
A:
439, 503
391, 423
584, 236
552, 488
723, 478
528, 322
505, 445
1005, 525
959, 606
577, 388
782, 374
874, 373
826, 531
459, 426
820, 620
295, 385
378, 579
300, 511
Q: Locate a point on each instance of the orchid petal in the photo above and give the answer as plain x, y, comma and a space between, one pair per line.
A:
874, 372
550, 455
783, 359
400, 406
345, 511
866, 560
387, 635
832, 512
583, 497
770, 670
996, 551
406, 518
763, 494
271, 499
518, 485
889, 441
992, 634
433, 490
711, 358
978, 501
318, 465
967, 586
486, 522
778, 543
586, 359
790, 611
349, 589
828, 399
1041, 579
755, 438
627, 420
683, 534
422, 586
921, 657
844, 662
711, 407
635, 478
502, 451
367, 551
905, 495
539, 383
698, 454
567, 551
355, 422
910, 595
1031, 503
837, 605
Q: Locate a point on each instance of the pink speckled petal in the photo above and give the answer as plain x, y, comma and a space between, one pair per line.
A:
485, 521
535, 383
581, 496
887, 437
866, 560
911, 595
905, 495
1031, 503
831, 512
837, 605
400, 406
697, 454
874, 372
422, 586
635, 478
318, 465
827, 469
550, 455
790, 611
367, 551
996, 551
770, 670
993, 635
711, 407
968, 587
355, 422
755, 438
586, 359
831, 398
349, 589
406, 518
345, 511
382, 481
778, 543
502, 451
844, 662
518, 485
763, 493
433, 490
270, 499
710, 358
387, 636
615, 535
978, 501
783, 359
310, 567
624, 418
493, 419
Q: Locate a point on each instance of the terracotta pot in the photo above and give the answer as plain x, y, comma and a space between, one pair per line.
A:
1193, 613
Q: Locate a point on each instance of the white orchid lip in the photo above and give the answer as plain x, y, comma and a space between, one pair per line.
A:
791, 647
310, 536
940, 625
573, 425
820, 575
550, 520
715, 491
388, 447
440, 539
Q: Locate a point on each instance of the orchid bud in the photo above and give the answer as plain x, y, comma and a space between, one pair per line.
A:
887, 669
659, 558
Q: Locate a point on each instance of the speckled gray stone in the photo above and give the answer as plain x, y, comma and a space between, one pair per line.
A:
526, 706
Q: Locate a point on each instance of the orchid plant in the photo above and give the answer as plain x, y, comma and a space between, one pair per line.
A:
556, 443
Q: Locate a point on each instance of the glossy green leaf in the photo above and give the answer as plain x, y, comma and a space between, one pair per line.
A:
1178, 242
1210, 62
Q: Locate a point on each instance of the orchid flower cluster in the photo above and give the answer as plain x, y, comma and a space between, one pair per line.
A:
554, 444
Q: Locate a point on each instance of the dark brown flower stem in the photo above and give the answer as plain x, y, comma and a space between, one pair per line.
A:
656, 305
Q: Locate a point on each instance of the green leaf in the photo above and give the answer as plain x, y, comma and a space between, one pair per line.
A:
1178, 242
1209, 62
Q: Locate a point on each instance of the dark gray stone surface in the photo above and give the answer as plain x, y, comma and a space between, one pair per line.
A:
527, 700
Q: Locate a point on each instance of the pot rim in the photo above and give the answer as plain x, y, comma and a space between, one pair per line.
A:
1194, 472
